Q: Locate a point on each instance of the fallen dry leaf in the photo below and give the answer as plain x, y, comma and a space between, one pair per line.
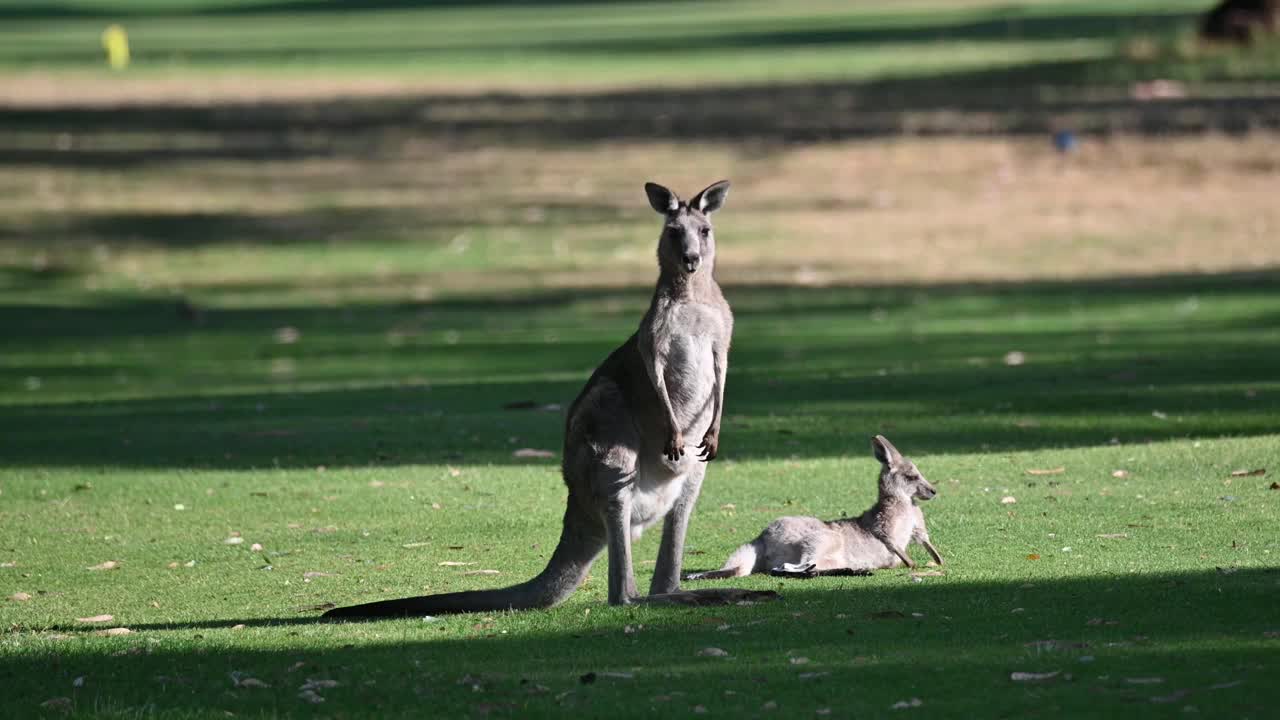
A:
928, 573
310, 696
108, 565
1259, 472
1119, 473
61, 704
256, 547
20, 596
96, 619
482, 572
316, 574
8, 564
1114, 536
233, 541
318, 684
1033, 556
712, 652
113, 632
453, 563
238, 626
1008, 500
1144, 680
887, 615
252, 683
1015, 358
1032, 676
1046, 471
799, 661
532, 453
1174, 696
904, 704
618, 675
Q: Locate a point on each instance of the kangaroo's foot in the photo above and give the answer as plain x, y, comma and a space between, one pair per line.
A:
803, 571
711, 575
709, 596
809, 571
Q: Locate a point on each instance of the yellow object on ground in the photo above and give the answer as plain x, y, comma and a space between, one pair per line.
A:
116, 42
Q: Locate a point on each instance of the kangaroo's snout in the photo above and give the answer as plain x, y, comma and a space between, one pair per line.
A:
926, 491
691, 262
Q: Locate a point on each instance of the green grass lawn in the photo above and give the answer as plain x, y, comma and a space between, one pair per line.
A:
257, 353
478, 45
373, 446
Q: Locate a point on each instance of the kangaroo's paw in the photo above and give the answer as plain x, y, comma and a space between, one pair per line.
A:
674, 449
710, 445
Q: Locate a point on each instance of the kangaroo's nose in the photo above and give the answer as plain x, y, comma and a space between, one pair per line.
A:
691, 261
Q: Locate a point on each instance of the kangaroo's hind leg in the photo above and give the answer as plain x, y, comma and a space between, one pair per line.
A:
666, 573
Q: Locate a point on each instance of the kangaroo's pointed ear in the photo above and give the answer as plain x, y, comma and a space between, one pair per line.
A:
711, 199
661, 199
884, 451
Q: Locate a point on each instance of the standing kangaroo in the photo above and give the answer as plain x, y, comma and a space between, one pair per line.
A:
626, 462
878, 538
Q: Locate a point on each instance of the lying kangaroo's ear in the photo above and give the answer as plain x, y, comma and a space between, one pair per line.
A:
711, 199
884, 451
661, 199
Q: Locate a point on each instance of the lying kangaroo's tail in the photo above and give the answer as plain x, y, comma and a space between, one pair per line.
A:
566, 570
747, 559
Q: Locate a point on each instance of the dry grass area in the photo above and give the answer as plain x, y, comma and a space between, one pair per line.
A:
177, 210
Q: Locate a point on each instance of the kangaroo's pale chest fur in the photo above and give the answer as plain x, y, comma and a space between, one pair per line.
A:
685, 334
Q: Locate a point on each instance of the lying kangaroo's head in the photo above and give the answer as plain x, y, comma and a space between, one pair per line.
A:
687, 240
899, 477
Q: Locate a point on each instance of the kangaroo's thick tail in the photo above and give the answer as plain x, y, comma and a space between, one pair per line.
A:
579, 545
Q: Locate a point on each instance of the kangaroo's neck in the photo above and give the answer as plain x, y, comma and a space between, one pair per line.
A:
890, 504
676, 284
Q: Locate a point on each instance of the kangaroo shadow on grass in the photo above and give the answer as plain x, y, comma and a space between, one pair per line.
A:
1101, 644
814, 371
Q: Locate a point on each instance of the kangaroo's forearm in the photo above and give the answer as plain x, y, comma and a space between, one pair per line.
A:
718, 407
655, 366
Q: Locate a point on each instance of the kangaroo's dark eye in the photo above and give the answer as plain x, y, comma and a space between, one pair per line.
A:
706, 232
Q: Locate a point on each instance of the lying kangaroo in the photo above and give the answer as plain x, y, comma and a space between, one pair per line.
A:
626, 462
808, 547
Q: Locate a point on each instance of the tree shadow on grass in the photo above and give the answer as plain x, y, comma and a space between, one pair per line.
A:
1100, 645
1087, 96
814, 371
